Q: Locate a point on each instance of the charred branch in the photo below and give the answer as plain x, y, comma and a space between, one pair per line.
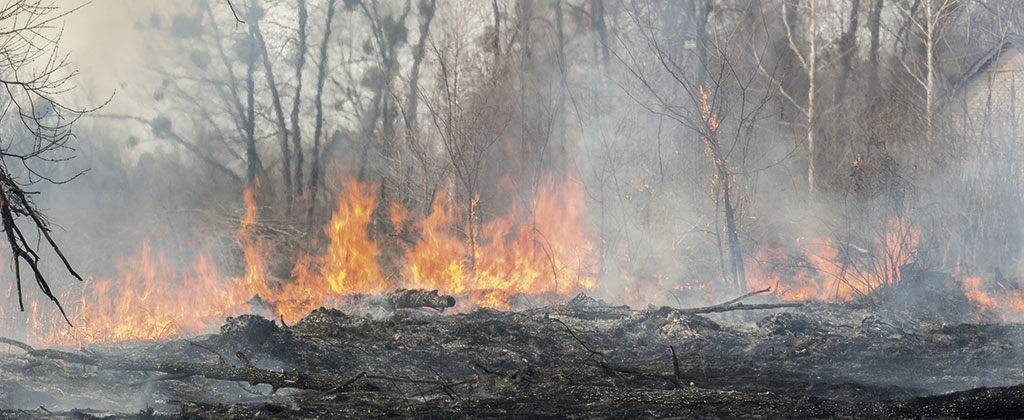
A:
34, 74
406, 299
221, 370
736, 305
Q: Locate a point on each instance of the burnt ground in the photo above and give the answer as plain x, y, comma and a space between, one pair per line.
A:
888, 357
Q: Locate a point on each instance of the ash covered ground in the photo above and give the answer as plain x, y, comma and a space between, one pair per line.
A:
909, 351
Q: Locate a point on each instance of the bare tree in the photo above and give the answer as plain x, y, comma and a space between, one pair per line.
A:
469, 119
847, 50
300, 62
806, 57
314, 174
275, 95
722, 110
927, 19
35, 129
874, 26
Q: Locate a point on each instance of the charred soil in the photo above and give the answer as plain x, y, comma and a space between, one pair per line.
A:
576, 360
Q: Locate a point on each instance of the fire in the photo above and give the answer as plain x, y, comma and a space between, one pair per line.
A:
538, 249
149, 298
253, 281
350, 264
972, 289
823, 269
1007, 304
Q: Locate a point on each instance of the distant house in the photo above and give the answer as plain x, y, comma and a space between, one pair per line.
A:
985, 158
990, 97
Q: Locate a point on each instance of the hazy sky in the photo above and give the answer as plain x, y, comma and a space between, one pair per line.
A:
104, 44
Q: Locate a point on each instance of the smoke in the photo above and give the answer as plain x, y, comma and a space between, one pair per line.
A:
600, 106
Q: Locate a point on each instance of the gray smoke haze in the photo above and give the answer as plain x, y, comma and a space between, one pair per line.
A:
600, 105
557, 88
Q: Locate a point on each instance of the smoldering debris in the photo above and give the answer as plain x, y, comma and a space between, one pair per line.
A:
575, 360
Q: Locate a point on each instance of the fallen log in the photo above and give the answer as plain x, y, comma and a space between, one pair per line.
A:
403, 299
735, 305
222, 371
415, 298
739, 307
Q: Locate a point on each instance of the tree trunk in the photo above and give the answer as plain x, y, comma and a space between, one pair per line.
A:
601, 28
931, 15
314, 174
847, 50
811, 79
701, 10
411, 115
564, 82
296, 131
495, 37
874, 25
253, 165
282, 127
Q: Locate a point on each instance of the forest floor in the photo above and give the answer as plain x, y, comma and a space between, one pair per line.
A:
908, 354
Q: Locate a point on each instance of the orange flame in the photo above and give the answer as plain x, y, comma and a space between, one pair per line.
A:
1007, 304
148, 299
541, 249
826, 270
972, 289
350, 264
535, 251
538, 248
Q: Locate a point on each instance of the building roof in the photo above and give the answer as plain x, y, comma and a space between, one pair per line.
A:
1007, 55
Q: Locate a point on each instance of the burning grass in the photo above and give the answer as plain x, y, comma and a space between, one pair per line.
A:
541, 251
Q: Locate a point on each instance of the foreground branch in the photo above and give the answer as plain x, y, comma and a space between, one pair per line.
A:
739, 307
734, 305
403, 299
408, 298
222, 371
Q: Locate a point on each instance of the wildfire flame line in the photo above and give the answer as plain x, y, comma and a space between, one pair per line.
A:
540, 249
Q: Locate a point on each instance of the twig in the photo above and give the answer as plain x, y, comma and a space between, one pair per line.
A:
675, 364
235, 13
447, 389
347, 383
605, 361
733, 305
17, 344
207, 348
765, 290
739, 307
